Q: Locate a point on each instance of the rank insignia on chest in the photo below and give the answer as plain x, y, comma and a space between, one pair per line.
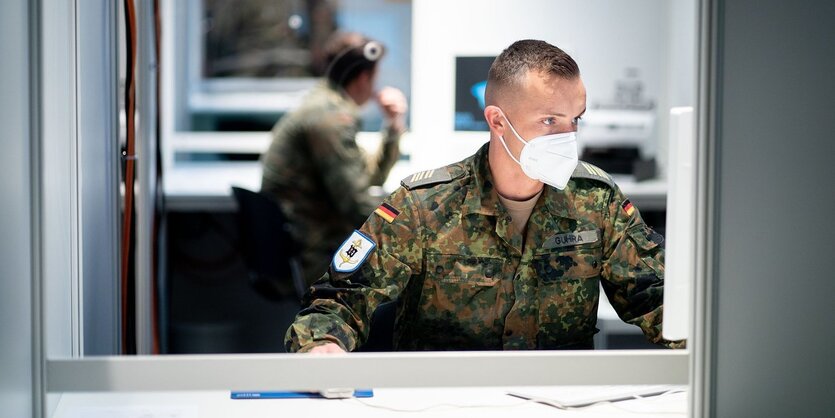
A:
387, 212
353, 252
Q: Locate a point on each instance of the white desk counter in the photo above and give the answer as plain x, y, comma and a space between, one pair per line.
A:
434, 402
196, 186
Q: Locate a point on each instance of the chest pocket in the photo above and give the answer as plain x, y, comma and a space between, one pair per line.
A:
567, 293
575, 263
462, 295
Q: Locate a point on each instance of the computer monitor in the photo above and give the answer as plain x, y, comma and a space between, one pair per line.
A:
681, 225
470, 84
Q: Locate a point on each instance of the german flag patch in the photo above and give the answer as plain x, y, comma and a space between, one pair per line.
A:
387, 212
627, 207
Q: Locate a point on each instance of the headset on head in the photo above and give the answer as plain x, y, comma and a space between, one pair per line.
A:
371, 53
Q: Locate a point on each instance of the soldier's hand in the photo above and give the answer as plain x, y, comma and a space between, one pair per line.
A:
393, 104
327, 348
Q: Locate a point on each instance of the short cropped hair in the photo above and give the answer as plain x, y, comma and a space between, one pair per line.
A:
347, 56
509, 68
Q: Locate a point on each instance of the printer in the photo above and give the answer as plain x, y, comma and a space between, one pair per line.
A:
619, 141
619, 136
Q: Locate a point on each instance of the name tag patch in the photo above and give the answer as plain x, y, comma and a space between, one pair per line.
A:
571, 238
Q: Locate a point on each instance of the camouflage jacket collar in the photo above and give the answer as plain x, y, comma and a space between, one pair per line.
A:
327, 92
483, 199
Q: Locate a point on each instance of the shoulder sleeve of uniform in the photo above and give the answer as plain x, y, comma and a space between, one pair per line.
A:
431, 177
585, 170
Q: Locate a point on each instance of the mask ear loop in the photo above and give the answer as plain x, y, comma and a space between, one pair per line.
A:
501, 137
508, 150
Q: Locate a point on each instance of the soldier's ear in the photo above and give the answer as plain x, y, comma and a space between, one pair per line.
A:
365, 77
495, 120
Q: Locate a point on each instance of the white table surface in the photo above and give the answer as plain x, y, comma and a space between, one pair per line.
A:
434, 402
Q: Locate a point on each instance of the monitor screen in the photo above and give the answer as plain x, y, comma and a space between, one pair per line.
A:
470, 83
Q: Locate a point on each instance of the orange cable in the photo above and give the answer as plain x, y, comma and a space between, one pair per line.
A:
130, 103
154, 261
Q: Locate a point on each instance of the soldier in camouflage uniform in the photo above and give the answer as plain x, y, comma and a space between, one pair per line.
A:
314, 168
467, 268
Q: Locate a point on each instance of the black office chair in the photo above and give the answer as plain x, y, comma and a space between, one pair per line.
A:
270, 253
271, 256
381, 336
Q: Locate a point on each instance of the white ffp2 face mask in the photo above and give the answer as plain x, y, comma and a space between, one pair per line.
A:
550, 159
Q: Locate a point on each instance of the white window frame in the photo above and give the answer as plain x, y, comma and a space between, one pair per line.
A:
288, 371
214, 94
185, 91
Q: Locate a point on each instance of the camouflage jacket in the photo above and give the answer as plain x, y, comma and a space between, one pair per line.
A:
444, 248
320, 177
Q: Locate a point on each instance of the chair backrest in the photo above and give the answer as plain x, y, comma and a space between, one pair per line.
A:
381, 337
271, 255
269, 249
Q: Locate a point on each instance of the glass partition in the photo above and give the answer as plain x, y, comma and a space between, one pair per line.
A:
206, 303
69, 370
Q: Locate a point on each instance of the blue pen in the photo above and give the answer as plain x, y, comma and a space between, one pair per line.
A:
286, 394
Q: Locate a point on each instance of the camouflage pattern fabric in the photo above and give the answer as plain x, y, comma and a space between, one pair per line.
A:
464, 279
320, 177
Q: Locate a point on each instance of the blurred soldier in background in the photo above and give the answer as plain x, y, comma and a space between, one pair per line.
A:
314, 168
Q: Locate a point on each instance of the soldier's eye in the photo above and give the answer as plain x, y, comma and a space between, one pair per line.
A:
550, 121
576, 121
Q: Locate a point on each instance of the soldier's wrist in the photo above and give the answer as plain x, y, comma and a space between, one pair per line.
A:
394, 128
316, 343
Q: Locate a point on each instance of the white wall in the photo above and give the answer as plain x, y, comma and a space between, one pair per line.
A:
60, 199
679, 87
680, 83
16, 320
603, 36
